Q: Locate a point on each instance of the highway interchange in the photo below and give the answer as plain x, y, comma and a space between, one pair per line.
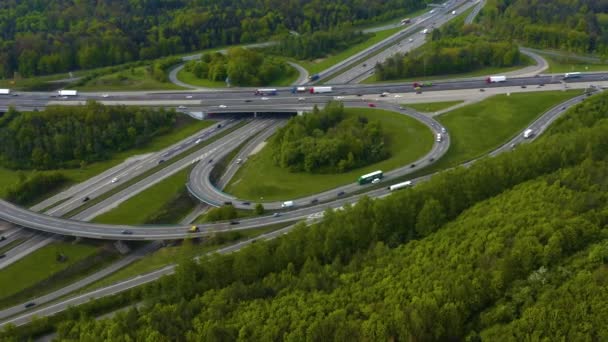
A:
239, 101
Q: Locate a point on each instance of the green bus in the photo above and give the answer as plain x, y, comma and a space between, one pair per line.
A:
370, 177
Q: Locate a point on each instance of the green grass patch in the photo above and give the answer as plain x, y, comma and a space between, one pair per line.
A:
40, 265
170, 255
481, 127
139, 208
189, 78
432, 106
153, 170
571, 64
137, 78
526, 61
319, 65
407, 140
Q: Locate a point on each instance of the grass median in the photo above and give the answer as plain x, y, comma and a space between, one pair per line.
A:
153, 170
189, 78
260, 179
430, 107
139, 78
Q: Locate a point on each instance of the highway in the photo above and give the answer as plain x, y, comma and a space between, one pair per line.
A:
200, 185
539, 126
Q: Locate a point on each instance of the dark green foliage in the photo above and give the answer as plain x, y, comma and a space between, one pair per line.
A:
449, 55
244, 67
29, 189
66, 136
318, 44
521, 256
225, 212
578, 26
259, 209
44, 37
328, 141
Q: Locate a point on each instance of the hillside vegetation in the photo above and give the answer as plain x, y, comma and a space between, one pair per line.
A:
44, 37
512, 248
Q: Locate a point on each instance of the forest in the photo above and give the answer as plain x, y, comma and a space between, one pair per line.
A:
64, 136
318, 44
453, 49
45, 37
577, 26
512, 248
242, 67
328, 141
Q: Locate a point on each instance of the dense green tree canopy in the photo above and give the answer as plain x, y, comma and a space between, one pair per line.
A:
328, 140
41, 37
64, 136
243, 67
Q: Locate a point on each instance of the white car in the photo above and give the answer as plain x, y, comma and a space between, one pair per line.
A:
397, 95
181, 107
411, 40
105, 95
376, 180
197, 141
189, 96
264, 98
338, 97
115, 179
222, 106
301, 98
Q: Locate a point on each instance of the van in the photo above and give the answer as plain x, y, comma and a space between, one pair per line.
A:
528, 133
287, 204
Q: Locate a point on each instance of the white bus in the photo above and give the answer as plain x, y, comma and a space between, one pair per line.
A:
572, 75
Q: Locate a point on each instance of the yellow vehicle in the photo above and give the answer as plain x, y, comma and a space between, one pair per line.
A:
193, 229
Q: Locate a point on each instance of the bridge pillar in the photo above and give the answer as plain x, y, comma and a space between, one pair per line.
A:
255, 114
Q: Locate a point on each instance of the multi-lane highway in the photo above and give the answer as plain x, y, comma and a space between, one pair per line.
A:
201, 187
27, 218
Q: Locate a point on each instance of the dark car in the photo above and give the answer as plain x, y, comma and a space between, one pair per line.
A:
219, 125
161, 161
227, 203
542, 85
276, 215
126, 232
413, 165
482, 90
523, 86
246, 203
30, 304
248, 100
341, 193
314, 201
210, 161
234, 222
2, 255
86, 199
432, 160
2, 238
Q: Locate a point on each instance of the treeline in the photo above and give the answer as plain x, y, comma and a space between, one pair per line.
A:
318, 44
44, 37
449, 55
327, 141
493, 243
64, 136
35, 185
242, 67
578, 26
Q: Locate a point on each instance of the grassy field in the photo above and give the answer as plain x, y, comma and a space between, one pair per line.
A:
137, 78
171, 255
477, 73
317, 66
40, 265
481, 127
407, 140
432, 106
189, 78
570, 64
140, 207
185, 128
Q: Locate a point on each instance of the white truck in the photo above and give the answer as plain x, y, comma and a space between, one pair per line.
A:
425, 31
400, 185
496, 79
528, 133
5, 91
67, 92
287, 204
321, 90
